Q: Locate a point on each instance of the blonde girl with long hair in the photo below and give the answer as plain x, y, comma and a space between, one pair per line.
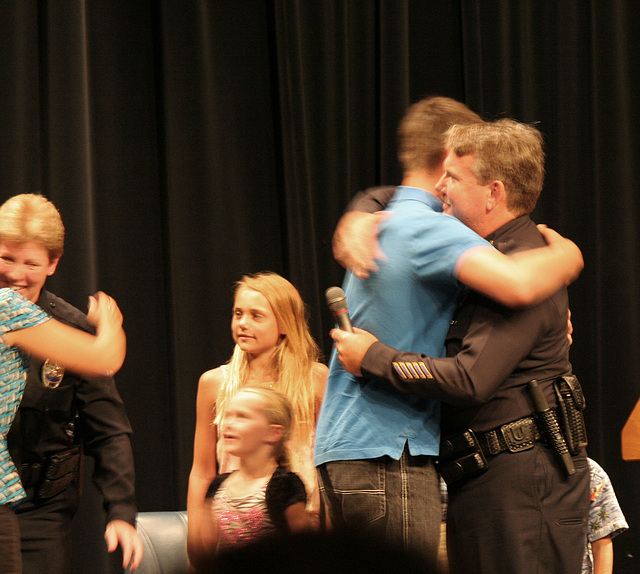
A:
273, 348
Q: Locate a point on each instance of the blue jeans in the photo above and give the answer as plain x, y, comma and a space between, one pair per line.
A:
398, 500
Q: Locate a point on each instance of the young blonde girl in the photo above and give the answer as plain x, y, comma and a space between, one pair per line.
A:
262, 496
273, 348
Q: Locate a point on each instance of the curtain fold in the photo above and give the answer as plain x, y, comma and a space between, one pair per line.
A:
342, 91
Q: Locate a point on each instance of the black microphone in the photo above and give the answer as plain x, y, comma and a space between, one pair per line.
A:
338, 305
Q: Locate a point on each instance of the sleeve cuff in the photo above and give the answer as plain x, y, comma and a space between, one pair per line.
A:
122, 511
377, 361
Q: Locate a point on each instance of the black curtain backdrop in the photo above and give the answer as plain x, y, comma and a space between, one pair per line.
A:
188, 143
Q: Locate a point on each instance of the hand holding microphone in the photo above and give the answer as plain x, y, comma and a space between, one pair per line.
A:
351, 344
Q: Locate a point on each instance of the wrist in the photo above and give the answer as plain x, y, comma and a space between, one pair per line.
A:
377, 361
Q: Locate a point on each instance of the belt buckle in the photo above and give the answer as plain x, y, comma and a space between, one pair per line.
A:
519, 435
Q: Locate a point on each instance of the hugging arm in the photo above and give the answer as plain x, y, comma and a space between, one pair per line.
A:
355, 241
523, 278
474, 374
94, 356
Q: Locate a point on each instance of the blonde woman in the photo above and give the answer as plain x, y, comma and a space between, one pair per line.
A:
273, 348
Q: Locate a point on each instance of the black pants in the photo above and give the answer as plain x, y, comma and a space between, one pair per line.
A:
10, 560
523, 516
45, 531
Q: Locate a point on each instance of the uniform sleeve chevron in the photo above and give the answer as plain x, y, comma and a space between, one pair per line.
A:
412, 370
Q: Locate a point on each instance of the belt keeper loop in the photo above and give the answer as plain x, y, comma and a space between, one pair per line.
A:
492, 443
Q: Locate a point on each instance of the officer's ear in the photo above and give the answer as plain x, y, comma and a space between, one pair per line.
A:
53, 265
497, 194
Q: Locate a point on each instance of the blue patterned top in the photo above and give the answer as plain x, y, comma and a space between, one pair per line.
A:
15, 313
605, 514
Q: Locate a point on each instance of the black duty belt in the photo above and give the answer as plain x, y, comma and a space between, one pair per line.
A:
515, 436
465, 455
54, 474
30, 474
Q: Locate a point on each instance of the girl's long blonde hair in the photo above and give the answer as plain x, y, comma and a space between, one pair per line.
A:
293, 356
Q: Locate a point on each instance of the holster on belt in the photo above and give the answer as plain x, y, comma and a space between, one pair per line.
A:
54, 474
571, 403
460, 457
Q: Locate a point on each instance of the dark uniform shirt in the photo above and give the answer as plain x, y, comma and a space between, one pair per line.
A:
46, 423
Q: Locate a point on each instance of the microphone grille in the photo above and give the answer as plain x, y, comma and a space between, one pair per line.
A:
336, 299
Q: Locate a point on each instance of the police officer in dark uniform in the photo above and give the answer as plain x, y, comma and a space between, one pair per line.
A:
62, 416
518, 478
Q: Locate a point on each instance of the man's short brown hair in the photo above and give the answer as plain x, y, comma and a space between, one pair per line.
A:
504, 150
421, 135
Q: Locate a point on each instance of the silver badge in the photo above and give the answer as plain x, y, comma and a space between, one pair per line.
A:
52, 374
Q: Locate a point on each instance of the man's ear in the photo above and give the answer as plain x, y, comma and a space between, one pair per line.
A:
275, 434
497, 194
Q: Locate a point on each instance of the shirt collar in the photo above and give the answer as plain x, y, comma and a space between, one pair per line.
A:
404, 192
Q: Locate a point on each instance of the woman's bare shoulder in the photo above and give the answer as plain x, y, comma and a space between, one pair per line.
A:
211, 381
319, 373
